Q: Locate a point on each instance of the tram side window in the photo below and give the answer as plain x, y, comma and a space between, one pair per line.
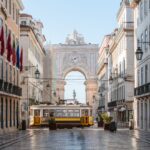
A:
64, 113
58, 113
76, 113
45, 113
37, 113
70, 113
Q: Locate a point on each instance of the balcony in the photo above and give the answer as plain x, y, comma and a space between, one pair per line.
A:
1, 84
5, 87
112, 104
10, 88
126, 26
144, 89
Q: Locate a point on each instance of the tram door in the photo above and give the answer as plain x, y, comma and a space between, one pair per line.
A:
37, 117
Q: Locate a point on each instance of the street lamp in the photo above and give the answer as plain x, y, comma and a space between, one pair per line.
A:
37, 74
139, 52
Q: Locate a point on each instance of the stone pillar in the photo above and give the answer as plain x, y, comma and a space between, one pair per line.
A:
91, 90
60, 89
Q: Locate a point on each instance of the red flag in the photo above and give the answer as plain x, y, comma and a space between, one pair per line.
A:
21, 60
9, 48
14, 54
2, 41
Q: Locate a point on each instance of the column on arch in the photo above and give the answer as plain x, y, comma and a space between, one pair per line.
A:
91, 90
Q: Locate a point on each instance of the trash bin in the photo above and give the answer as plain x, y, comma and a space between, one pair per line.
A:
23, 124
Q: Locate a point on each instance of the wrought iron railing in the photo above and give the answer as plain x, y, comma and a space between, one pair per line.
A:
144, 89
112, 104
10, 88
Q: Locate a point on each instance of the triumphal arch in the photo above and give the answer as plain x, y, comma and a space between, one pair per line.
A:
74, 55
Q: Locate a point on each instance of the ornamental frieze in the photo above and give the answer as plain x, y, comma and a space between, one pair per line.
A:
74, 59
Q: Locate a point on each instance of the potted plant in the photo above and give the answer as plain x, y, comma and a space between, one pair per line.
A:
107, 120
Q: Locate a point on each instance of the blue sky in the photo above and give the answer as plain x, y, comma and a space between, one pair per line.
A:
92, 18
77, 84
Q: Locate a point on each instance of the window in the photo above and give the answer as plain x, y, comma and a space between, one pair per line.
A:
17, 77
120, 69
1, 68
6, 4
142, 115
138, 113
17, 16
6, 72
138, 77
14, 76
6, 112
146, 74
142, 40
146, 39
13, 11
10, 111
145, 7
10, 75
124, 67
149, 32
6, 33
14, 113
1, 22
141, 11
23, 22
142, 76
2, 113
37, 112
149, 114
45, 113
10, 7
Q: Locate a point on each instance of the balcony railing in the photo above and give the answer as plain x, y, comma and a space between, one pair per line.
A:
112, 104
10, 88
144, 89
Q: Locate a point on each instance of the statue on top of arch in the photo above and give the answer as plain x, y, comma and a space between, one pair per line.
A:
75, 39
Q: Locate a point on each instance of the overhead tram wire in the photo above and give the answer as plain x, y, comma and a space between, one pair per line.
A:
64, 79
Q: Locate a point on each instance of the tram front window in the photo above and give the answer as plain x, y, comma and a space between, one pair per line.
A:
37, 113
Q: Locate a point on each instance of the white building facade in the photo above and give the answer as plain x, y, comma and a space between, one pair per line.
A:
32, 41
10, 89
142, 67
102, 73
121, 67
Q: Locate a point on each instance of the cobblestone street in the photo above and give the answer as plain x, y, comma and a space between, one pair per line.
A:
76, 139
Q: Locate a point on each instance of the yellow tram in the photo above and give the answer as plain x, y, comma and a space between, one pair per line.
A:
65, 115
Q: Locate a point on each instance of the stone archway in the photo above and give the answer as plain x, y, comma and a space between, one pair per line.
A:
75, 55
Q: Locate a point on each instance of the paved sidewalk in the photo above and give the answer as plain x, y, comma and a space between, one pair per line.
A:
93, 137
142, 135
14, 137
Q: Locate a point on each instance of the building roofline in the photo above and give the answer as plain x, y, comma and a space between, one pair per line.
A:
30, 28
20, 3
26, 15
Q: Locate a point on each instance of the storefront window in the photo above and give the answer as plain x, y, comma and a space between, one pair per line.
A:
1, 113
